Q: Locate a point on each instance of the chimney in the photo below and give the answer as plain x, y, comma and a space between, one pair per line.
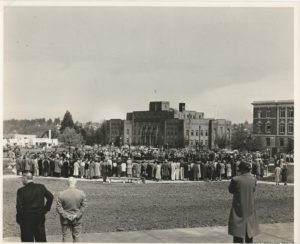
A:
181, 107
49, 134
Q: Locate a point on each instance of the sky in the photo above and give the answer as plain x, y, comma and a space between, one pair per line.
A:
102, 62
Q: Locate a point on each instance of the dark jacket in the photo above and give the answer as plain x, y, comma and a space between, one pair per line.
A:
243, 217
31, 200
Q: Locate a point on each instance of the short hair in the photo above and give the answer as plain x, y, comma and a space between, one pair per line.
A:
72, 181
28, 175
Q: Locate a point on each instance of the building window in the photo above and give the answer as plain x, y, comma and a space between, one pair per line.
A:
281, 142
201, 142
268, 128
206, 142
290, 128
259, 114
197, 133
192, 142
259, 128
206, 133
268, 141
268, 113
282, 128
187, 132
291, 113
197, 142
201, 132
192, 132
282, 112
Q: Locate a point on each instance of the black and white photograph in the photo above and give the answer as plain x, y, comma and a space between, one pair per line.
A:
148, 123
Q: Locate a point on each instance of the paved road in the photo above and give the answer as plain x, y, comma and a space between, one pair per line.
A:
270, 233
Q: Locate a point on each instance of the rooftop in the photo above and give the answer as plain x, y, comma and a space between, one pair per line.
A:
291, 101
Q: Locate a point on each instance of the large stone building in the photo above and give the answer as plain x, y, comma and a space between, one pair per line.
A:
162, 125
273, 125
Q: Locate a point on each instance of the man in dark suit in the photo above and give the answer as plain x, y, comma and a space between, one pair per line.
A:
243, 223
31, 209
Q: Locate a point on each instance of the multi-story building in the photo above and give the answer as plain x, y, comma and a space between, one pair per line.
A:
114, 130
162, 125
273, 125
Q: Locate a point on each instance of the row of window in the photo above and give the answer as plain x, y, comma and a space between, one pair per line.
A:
202, 133
190, 116
196, 142
268, 142
290, 128
282, 113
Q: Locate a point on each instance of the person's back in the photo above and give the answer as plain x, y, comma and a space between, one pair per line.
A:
243, 222
71, 200
31, 209
70, 205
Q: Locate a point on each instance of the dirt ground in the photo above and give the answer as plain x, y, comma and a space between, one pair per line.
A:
117, 206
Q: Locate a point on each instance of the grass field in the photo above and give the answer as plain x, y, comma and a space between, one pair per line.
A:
153, 206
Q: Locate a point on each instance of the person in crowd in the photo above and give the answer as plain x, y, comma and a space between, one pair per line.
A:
19, 165
46, 165
57, 166
277, 175
129, 168
35, 166
97, 168
104, 169
76, 169
195, 172
173, 170
158, 172
92, 174
31, 209
81, 167
87, 168
119, 166
65, 168
228, 167
70, 205
243, 223
40, 165
115, 167
284, 173
51, 165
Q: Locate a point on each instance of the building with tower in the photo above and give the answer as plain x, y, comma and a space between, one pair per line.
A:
162, 125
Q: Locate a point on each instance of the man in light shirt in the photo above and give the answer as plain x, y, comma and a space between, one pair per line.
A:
70, 206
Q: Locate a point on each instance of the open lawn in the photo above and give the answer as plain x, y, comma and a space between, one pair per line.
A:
153, 206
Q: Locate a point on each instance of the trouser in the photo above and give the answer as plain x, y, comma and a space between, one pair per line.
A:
104, 177
241, 240
75, 230
33, 228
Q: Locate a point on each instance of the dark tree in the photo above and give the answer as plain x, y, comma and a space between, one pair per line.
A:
66, 122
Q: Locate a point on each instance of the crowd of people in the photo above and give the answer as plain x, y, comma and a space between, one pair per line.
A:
145, 163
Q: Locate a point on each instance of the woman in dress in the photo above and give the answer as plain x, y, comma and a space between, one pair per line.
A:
158, 172
129, 168
277, 175
228, 166
76, 169
97, 169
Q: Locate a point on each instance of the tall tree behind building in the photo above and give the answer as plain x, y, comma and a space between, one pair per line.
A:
67, 122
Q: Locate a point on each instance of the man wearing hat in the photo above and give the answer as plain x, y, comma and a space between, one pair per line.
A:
243, 224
